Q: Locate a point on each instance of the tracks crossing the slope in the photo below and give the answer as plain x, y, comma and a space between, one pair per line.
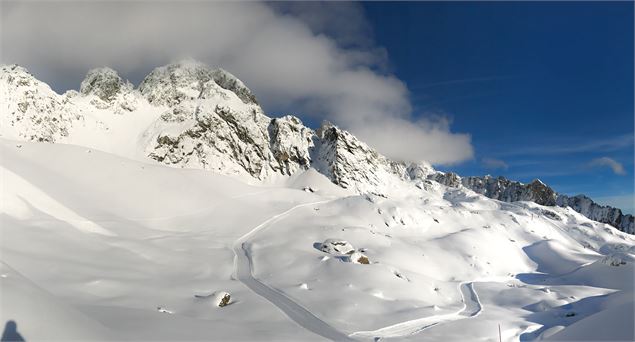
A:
243, 271
471, 307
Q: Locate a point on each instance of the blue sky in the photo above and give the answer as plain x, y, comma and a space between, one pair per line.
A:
543, 88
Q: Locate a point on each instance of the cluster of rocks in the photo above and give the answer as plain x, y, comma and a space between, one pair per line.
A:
344, 248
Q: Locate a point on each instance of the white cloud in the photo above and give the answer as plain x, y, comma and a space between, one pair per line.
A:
617, 167
492, 163
566, 147
290, 64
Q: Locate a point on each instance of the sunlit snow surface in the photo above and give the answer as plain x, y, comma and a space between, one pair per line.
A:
95, 246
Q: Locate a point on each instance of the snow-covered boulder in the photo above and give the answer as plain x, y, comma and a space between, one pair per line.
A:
337, 247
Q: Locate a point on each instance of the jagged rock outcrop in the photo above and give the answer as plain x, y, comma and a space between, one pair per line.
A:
105, 83
31, 110
450, 179
228, 81
172, 84
291, 143
351, 163
511, 191
505, 190
212, 121
110, 90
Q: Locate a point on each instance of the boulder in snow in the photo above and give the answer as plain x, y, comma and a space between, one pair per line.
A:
358, 258
221, 298
337, 247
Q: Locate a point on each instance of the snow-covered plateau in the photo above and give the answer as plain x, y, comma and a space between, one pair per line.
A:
178, 210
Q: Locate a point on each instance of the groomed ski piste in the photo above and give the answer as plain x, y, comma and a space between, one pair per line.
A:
96, 246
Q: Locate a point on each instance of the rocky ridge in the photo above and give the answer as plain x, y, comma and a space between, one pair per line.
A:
506, 190
206, 118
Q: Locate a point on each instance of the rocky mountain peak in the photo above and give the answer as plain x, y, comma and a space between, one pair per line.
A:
31, 109
174, 83
230, 82
16, 76
539, 192
104, 83
349, 162
188, 80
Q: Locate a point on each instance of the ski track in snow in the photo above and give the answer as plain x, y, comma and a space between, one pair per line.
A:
243, 271
472, 307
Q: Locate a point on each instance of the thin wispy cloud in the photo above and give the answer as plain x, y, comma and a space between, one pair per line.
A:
555, 148
493, 164
544, 173
616, 166
461, 81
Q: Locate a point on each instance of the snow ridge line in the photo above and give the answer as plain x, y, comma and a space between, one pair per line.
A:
243, 271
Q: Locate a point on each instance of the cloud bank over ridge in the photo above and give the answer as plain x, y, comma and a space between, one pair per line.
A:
326, 67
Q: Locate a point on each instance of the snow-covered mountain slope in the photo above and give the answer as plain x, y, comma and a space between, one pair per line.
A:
115, 248
312, 233
189, 115
506, 190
